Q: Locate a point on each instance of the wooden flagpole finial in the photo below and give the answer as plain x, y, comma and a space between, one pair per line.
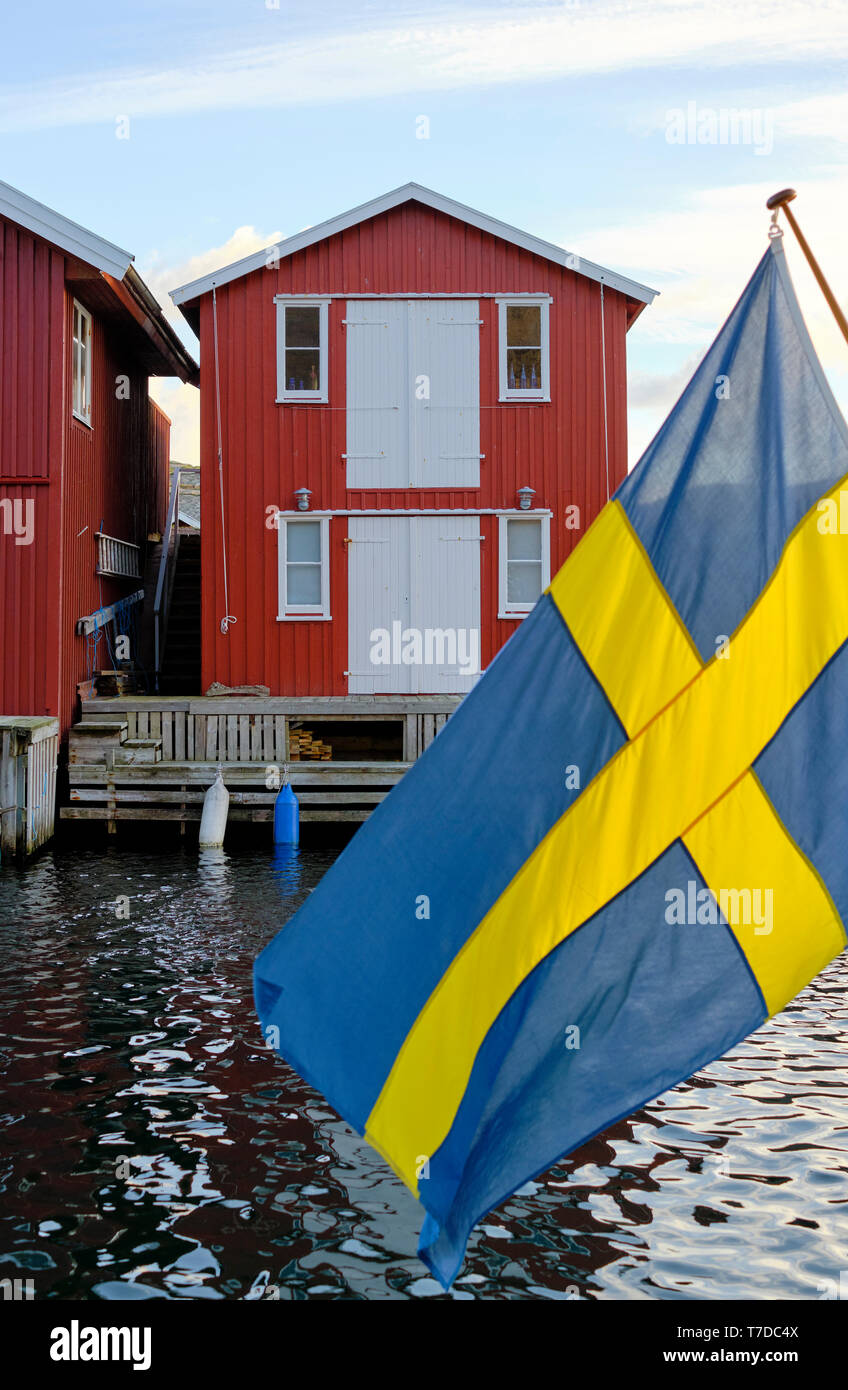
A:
782, 200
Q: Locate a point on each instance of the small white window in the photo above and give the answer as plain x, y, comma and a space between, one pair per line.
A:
304, 566
524, 350
81, 364
525, 562
301, 349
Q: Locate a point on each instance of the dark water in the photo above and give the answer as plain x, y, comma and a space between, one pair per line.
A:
153, 1146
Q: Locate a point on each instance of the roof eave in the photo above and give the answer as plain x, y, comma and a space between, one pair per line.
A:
138, 300
60, 231
185, 295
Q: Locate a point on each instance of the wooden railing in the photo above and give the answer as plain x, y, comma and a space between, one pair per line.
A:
117, 559
255, 730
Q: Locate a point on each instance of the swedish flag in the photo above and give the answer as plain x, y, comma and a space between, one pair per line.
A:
630, 836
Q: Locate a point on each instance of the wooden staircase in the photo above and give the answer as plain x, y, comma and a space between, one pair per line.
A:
181, 664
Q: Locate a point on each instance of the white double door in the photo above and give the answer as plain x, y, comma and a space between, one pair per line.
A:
413, 393
413, 604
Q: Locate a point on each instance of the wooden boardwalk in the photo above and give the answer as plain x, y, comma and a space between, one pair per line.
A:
149, 758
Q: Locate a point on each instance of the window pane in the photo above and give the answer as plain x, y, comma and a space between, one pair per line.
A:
523, 582
303, 327
303, 541
303, 369
303, 585
524, 369
524, 325
524, 540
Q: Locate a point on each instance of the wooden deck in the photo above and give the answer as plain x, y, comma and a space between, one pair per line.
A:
149, 758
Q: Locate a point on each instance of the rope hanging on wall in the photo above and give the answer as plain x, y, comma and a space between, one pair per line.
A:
228, 618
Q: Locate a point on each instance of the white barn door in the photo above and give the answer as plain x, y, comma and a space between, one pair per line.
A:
413, 393
377, 393
413, 604
444, 355
445, 553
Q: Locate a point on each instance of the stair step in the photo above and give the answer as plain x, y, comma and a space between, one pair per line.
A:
89, 742
139, 750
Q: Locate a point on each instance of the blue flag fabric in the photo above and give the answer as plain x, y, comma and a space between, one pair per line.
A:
625, 849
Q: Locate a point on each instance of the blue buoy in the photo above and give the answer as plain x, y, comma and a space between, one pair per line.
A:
286, 817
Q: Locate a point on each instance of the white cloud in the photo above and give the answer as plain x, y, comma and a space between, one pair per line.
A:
181, 402
700, 255
162, 277
465, 48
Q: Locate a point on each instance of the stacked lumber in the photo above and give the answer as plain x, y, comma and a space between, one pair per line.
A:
303, 746
118, 682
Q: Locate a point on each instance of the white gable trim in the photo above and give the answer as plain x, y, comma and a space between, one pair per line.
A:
59, 230
407, 193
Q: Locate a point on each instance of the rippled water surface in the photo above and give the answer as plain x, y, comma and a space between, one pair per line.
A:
153, 1147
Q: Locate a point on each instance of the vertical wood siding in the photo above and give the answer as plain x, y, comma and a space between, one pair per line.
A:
111, 476
115, 478
271, 450
32, 385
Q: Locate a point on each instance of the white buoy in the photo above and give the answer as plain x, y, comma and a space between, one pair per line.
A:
213, 822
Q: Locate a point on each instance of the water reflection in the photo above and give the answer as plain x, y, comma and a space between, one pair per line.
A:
156, 1148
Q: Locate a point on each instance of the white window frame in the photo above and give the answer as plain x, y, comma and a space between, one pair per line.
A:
283, 302
520, 610
517, 301
82, 409
300, 613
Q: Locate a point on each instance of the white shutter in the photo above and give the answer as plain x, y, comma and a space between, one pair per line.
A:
378, 596
444, 350
445, 555
377, 394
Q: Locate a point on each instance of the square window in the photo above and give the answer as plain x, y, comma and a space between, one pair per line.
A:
524, 353
301, 350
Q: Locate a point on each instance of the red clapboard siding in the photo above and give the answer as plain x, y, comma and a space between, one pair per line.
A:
270, 450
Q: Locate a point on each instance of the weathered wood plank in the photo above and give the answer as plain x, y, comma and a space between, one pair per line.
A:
329, 706
156, 796
193, 813
313, 775
410, 737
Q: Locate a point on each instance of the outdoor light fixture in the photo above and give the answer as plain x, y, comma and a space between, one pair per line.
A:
525, 497
303, 495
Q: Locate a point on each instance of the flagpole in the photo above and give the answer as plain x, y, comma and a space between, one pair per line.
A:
782, 200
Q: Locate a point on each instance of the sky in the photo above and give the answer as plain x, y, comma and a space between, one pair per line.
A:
641, 134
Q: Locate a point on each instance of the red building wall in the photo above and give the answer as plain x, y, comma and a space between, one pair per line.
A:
112, 473
32, 387
270, 450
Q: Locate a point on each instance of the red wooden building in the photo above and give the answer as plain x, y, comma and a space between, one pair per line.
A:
83, 449
419, 409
